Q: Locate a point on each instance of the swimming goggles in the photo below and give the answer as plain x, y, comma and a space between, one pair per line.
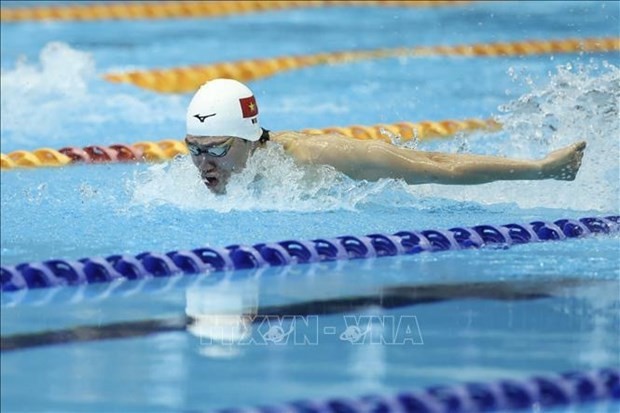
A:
216, 151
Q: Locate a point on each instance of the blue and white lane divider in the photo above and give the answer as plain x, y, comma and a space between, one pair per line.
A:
53, 273
539, 393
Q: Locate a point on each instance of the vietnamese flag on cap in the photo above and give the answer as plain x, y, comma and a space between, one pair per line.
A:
248, 107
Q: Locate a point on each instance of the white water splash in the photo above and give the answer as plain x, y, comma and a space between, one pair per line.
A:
577, 104
271, 181
62, 99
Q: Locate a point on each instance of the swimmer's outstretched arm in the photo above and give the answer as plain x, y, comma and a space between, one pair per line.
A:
373, 160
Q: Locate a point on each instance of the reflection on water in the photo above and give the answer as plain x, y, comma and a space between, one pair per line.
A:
348, 330
222, 315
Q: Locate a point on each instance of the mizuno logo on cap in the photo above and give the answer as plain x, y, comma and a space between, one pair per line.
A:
202, 118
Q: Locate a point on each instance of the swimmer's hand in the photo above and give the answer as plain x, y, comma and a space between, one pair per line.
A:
564, 163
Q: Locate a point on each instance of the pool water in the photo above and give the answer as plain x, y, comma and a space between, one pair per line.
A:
196, 343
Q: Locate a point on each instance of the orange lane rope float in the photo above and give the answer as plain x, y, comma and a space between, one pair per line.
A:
36, 158
189, 78
169, 148
184, 9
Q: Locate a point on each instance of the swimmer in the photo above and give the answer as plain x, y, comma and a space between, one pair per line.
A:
223, 131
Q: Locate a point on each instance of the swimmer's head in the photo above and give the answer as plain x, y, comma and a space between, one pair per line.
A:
224, 107
222, 130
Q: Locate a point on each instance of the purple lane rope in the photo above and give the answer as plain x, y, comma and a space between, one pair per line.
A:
544, 392
57, 272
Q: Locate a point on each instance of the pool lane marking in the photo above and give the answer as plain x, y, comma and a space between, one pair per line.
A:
190, 9
53, 273
389, 298
187, 79
538, 393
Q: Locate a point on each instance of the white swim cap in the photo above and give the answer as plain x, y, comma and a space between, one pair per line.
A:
223, 107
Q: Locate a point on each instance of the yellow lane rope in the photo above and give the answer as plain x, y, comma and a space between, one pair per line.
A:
36, 158
169, 148
189, 78
409, 130
184, 9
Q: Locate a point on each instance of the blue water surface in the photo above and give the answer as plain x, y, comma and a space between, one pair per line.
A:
480, 315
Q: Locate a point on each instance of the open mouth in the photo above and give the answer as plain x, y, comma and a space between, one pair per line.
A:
210, 181
215, 182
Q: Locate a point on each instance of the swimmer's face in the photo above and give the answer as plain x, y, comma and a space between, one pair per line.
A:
217, 158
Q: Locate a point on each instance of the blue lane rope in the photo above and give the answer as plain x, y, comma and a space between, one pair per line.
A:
56, 272
545, 392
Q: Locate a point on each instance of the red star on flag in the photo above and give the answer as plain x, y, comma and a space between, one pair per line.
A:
248, 107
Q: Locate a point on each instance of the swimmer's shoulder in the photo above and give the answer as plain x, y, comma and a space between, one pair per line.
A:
301, 138
298, 144
317, 148
286, 137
